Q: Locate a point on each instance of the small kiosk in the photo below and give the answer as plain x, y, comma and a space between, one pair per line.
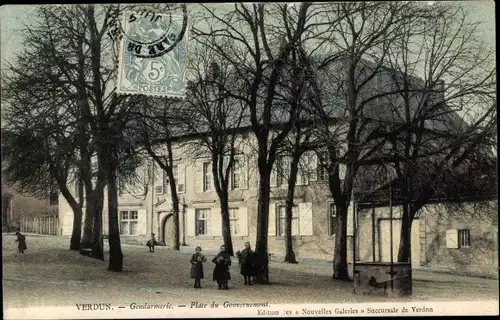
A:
378, 277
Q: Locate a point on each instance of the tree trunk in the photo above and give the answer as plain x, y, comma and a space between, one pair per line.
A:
404, 252
226, 229
97, 240
340, 266
177, 243
290, 254
263, 224
115, 251
342, 197
77, 229
174, 196
88, 222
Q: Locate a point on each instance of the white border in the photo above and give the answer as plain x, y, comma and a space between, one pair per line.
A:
279, 311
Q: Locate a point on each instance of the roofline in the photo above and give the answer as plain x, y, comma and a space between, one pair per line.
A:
244, 129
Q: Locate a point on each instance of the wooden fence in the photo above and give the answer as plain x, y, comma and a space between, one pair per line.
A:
40, 225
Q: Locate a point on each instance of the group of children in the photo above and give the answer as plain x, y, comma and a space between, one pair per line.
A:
222, 263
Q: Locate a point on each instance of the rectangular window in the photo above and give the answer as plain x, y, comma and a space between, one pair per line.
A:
207, 177
322, 173
201, 223
281, 223
233, 221
235, 174
178, 183
332, 218
128, 222
160, 184
322, 169
284, 163
175, 174
464, 238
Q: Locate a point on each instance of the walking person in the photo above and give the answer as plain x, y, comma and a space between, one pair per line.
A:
22, 241
221, 271
197, 267
151, 243
246, 260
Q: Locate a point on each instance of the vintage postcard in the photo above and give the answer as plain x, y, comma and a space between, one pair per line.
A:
234, 160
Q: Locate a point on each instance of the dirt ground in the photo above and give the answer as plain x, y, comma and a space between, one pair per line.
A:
49, 274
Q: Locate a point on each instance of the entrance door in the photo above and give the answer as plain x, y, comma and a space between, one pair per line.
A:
167, 230
385, 240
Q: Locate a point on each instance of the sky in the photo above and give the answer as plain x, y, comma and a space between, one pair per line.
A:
13, 17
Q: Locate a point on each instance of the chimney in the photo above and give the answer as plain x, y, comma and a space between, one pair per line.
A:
213, 72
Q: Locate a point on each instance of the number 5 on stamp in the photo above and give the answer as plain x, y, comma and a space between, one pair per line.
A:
153, 55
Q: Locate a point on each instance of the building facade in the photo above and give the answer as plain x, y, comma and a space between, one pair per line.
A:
146, 208
441, 236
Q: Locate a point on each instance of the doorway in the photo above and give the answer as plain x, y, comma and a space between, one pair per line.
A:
384, 226
167, 230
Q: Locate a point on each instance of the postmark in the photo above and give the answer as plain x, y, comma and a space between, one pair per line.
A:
153, 54
151, 31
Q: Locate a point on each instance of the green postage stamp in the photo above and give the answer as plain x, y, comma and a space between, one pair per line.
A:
153, 54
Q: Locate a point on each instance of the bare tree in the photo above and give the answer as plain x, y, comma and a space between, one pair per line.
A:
37, 103
215, 118
82, 62
299, 141
256, 41
158, 129
444, 111
344, 84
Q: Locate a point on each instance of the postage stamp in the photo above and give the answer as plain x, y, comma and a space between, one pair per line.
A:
153, 54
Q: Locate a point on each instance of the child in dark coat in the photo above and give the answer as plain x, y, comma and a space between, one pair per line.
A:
197, 267
151, 243
22, 242
246, 263
221, 271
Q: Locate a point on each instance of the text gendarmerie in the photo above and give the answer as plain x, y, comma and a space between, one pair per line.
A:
134, 306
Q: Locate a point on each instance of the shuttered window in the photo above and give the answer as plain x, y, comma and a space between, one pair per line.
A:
234, 221
281, 227
235, 174
201, 222
128, 222
207, 177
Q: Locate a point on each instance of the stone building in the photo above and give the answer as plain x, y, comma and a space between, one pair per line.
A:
440, 237
145, 208
459, 233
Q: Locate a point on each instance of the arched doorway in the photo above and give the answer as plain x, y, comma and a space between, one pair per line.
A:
166, 229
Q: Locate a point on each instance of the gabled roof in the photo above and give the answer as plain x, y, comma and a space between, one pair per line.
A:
459, 187
447, 121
